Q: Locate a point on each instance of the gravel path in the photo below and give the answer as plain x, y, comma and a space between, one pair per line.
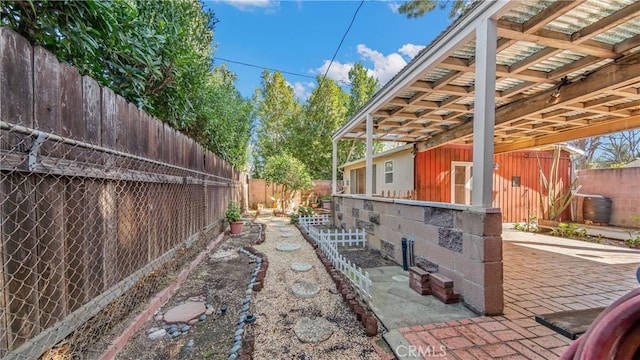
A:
278, 309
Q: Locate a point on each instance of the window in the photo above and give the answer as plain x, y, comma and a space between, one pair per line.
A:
515, 181
388, 172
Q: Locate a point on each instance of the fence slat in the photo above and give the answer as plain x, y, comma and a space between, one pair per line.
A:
51, 249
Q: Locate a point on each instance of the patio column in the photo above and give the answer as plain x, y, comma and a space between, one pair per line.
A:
369, 157
484, 115
334, 170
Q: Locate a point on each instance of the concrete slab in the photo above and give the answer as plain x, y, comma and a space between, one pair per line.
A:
398, 306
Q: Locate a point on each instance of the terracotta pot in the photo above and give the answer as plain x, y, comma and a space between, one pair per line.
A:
236, 227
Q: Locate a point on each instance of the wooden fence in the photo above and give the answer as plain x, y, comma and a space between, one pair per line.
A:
94, 194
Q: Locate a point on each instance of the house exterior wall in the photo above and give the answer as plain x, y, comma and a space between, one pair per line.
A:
433, 179
621, 185
461, 242
403, 166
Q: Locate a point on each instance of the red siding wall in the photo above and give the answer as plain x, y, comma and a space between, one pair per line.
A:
433, 180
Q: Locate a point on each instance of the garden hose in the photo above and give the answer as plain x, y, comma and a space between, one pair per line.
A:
614, 334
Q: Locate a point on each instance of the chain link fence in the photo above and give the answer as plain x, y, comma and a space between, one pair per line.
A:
83, 226
99, 203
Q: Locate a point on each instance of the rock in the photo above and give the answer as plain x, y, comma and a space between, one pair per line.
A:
185, 328
235, 349
176, 334
157, 335
237, 338
209, 311
300, 266
185, 312
203, 317
304, 289
239, 332
193, 321
159, 317
172, 328
245, 307
153, 329
286, 247
313, 330
242, 318
233, 357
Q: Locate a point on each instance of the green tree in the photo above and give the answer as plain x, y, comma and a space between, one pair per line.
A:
277, 112
363, 87
156, 54
324, 113
289, 173
417, 8
224, 123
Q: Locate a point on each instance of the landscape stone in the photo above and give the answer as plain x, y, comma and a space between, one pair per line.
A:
157, 335
304, 289
203, 317
159, 317
185, 328
313, 330
193, 321
152, 330
185, 312
286, 247
300, 266
286, 234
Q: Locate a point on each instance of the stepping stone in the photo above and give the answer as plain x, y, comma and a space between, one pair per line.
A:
300, 266
302, 289
286, 234
313, 330
185, 312
287, 247
400, 278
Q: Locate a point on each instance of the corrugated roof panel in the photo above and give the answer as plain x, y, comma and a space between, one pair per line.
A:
503, 84
538, 88
516, 52
466, 51
408, 94
468, 79
436, 97
586, 14
557, 61
588, 69
526, 10
465, 101
435, 74
620, 33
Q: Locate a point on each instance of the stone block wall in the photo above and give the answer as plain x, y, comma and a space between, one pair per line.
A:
464, 243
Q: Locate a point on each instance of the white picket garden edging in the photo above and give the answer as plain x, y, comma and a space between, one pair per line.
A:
328, 241
314, 220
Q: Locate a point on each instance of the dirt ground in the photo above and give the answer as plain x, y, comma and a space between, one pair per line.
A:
364, 257
220, 279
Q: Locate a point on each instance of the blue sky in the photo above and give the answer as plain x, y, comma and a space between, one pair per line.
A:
302, 36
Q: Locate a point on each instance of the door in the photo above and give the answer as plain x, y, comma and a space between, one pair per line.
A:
360, 181
461, 179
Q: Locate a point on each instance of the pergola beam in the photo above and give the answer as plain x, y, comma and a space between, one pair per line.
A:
603, 128
605, 24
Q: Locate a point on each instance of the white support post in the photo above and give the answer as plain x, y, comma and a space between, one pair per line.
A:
369, 157
484, 114
334, 182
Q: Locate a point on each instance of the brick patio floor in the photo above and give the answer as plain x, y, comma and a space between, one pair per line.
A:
535, 282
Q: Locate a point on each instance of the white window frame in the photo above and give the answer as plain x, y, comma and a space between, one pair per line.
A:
468, 181
388, 172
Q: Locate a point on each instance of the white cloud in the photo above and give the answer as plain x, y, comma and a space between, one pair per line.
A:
338, 71
410, 50
301, 90
394, 7
384, 67
250, 5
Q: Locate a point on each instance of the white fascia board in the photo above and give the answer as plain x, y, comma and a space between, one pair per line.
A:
437, 51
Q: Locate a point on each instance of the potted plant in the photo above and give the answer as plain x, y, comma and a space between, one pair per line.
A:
233, 217
326, 202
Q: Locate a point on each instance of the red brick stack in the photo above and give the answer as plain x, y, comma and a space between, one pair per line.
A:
419, 280
442, 288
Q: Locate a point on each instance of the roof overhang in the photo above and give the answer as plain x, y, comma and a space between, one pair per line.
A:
565, 70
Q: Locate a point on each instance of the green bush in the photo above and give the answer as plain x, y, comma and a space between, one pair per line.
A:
233, 212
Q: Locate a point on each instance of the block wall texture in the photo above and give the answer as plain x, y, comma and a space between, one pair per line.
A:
461, 242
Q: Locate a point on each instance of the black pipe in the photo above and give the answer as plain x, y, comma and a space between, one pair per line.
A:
405, 267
